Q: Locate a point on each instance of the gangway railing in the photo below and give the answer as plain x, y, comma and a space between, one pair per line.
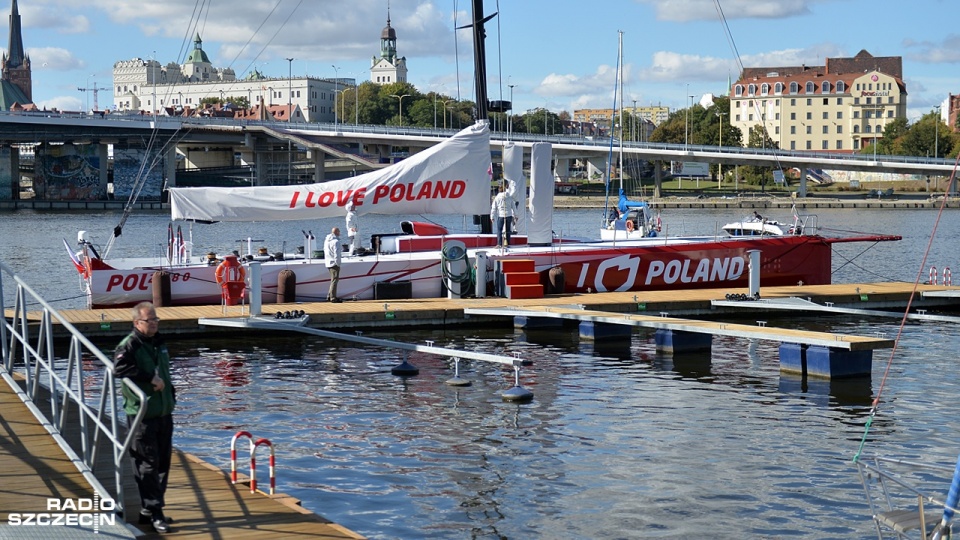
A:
28, 349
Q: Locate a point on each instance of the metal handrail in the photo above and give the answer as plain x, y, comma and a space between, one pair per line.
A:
28, 348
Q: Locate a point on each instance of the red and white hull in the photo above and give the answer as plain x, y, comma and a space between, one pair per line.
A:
649, 264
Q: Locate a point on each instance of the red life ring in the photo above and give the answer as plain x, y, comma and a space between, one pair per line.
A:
230, 271
629, 225
659, 224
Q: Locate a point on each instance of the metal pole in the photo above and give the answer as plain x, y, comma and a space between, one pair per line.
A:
290, 90
336, 82
400, 98
510, 118
686, 116
936, 136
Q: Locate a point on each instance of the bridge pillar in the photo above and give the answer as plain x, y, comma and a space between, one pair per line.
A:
319, 166
802, 192
530, 323
594, 330
562, 169
678, 341
824, 362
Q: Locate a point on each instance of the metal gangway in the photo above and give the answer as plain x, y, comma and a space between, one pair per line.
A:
35, 366
517, 393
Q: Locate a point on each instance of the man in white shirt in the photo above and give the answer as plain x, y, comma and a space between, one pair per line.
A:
502, 213
353, 228
331, 258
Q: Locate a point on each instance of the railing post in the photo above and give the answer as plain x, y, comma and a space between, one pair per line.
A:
233, 453
253, 466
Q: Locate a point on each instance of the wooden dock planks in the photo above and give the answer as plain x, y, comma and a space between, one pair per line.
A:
361, 314
200, 497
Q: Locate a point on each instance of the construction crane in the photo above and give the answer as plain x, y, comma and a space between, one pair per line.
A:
95, 91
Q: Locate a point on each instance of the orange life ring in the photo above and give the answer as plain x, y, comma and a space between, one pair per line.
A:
230, 271
629, 225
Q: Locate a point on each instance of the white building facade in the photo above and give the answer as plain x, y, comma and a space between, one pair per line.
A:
843, 106
388, 68
149, 87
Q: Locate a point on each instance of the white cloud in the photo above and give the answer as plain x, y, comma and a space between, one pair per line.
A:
944, 52
37, 16
706, 10
61, 103
54, 59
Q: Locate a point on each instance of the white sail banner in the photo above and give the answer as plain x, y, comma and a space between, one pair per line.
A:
452, 177
540, 232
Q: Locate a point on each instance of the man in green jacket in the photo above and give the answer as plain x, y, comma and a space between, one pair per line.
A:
142, 357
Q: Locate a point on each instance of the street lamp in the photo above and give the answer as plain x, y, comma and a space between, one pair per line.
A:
686, 116
356, 105
336, 82
510, 118
445, 113
400, 99
289, 90
719, 145
936, 135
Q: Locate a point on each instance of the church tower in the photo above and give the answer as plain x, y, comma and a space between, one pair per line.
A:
389, 68
17, 83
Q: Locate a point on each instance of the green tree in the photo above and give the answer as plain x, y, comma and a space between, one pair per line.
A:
541, 120
922, 138
755, 174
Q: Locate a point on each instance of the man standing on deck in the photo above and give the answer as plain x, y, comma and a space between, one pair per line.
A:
502, 213
331, 258
353, 228
142, 357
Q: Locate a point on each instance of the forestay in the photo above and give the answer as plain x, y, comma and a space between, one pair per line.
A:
452, 177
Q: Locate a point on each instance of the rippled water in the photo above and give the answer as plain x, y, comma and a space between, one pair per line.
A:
619, 442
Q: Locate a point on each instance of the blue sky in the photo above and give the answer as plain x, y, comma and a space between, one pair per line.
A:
559, 54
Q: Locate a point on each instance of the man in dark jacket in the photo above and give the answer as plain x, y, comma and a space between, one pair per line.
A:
142, 357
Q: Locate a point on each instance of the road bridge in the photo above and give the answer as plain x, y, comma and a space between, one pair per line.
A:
366, 147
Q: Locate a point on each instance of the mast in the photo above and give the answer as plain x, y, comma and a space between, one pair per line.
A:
480, 58
620, 89
480, 82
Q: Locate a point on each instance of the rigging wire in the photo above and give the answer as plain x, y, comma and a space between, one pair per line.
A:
456, 51
850, 261
500, 57
903, 322
201, 10
606, 199
756, 103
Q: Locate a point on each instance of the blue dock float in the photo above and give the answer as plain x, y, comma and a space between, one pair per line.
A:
813, 354
824, 362
597, 330
678, 342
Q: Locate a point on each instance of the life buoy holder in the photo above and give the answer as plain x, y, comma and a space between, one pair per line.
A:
230, 271
629, 225
87, 267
